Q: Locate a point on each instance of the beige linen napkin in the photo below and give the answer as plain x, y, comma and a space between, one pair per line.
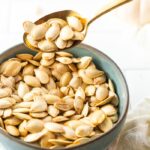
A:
136, 132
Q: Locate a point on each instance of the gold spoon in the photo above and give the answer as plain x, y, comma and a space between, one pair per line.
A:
63, 15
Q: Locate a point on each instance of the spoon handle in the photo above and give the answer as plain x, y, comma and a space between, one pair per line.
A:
107, 8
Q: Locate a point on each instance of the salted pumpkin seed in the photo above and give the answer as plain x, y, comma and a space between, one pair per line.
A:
17, 98
53, 111
5, 92
38, 56
3, 66
54, 127
61, 22
115, 100
65, 79
51, 99
73, 124
42, 76
33, 137
60, 119
97, 117
29, 96
46, 63
78, 36
64, 54
21, 110
76, 117
56, 74
78, 105
22, 128
51, 84
111, 85
34, 125
39, 105
66, 33
72, 67
84, 62
12, 130
80, 93
12, 68
71, 92
63, 105
64, 60
84, 77
81, 140
109, 110
90, 90
105, 101
71, 145
23, 105
8, 81
83, 131
23, 64
106, 125
53, 32
69, 133
18, 78
11, 100
60, 43
22, 116
61, 68
86, 120
48, 56
75, 23
28, 26
24, 56
12, 121
28, 70
93, 108
100, 80
93, 73
114, 118
85, 110
47, 46
7, 113
45, 69
69, 113
38, 31
32, 42
23, 89
56, 92
44, 140
32, 81
101, 93
38, 114
5, 103
64, 90
75, 82
69, 43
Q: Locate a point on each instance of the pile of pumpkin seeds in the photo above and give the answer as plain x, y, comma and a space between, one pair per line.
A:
55, 100
54, 34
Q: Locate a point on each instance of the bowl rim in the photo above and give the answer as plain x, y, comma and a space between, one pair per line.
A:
85, 46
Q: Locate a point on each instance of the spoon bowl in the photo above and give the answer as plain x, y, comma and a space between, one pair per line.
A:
86, 22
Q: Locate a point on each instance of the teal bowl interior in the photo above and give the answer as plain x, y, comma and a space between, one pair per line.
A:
113, 72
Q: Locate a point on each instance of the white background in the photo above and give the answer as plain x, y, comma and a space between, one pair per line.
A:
118, 34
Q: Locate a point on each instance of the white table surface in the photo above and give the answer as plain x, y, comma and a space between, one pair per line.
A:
110, 34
